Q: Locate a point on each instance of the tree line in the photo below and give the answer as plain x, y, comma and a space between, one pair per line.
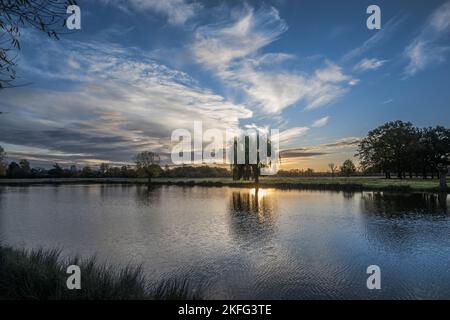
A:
402, 149
394, 148
22, 170
147, 166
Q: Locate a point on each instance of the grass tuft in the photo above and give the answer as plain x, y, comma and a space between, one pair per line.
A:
41, 275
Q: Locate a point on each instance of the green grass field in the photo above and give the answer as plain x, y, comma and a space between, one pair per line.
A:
363, 183
319, 183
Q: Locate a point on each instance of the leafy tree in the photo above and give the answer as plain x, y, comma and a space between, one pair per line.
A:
147, 163
399, 147
19, 170
438, 149
87, 172
388, 148
13, 170
25, 166
348, 168
47, 16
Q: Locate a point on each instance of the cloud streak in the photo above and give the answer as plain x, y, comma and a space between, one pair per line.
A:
176, 11
431, 45
320, 122
378, 38
367, 64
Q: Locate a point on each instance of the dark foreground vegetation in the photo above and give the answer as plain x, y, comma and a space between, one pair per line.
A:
41, 275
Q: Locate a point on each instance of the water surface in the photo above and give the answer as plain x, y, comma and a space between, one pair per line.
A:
243, 243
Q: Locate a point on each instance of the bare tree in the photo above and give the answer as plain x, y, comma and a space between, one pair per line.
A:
333, 168
48, 16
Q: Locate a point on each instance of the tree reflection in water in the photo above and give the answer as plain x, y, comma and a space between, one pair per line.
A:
396, 204
402, 222
252, 214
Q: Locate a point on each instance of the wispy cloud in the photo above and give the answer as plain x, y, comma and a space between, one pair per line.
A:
377, 39
177, 11
369, 64
232, 51
290, 136
431, 45
320, 122
340, 150
116, 104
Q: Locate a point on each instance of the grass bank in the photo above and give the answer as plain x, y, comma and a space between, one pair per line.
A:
41, 275
306, 183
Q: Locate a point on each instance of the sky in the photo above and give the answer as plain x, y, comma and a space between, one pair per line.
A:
139, 69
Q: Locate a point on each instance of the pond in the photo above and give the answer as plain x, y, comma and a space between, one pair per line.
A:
245, 243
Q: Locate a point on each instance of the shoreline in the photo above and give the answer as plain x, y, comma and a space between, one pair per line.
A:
353, 184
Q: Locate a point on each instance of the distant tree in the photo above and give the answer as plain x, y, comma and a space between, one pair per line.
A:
309, 172
87, 172
348, 168
127, 172
56, 171
73, 171
333, 168
104, 168
25, 167
38, 173
19, 170
14, 170
47, 16
147, 163
2, 164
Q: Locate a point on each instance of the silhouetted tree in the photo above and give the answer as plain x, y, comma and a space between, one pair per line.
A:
14, 171
147, 163
388, 148
25, 167
247, 170
56, 172
87, 172
333, 168
348, 168
2, 164
104, 168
